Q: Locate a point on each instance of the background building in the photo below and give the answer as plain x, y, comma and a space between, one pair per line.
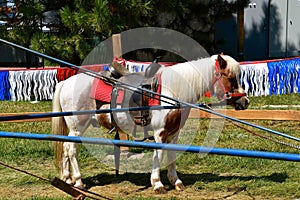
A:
271, 30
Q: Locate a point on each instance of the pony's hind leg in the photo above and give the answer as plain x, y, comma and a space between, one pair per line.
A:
172, 173
69, 158
65, 165
70, 149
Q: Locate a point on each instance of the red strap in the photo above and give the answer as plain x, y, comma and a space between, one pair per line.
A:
232, 95
218, 78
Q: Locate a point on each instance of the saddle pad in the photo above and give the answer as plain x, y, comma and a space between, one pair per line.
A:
101, 91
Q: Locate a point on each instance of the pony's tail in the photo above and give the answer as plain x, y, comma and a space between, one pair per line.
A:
59, 126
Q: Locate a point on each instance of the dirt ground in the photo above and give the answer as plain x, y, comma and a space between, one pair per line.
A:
123, 190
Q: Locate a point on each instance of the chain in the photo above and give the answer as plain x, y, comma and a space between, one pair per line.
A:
257, 134
266, 137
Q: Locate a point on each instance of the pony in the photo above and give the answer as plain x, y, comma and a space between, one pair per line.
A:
186, 82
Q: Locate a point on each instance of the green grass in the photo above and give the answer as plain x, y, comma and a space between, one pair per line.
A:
286, 99
204, 177
25, 106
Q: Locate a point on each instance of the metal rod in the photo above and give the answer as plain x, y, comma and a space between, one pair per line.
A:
39, 54
151, 145
85, 112
250, 124
92, 73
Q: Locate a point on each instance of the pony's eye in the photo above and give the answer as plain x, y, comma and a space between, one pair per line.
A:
233, 82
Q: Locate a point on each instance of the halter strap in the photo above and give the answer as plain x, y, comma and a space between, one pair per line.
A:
227, 94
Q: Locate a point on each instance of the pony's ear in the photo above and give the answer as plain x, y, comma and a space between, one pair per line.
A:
222, 62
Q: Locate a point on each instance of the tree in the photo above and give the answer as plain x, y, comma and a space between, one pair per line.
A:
23, 21
82, 24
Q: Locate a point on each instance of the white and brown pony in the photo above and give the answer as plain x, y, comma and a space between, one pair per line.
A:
186, 82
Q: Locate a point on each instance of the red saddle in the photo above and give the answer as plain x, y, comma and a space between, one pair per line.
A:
101, 91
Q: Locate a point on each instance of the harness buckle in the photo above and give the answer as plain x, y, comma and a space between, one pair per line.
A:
218, 75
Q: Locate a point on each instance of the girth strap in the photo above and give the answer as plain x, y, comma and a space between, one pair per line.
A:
144, 118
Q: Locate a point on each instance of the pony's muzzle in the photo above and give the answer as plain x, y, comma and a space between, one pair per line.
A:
241, 103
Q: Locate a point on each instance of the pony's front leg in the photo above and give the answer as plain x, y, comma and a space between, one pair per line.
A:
156, 183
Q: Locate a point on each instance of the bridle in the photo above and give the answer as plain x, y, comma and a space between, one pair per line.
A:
217, 78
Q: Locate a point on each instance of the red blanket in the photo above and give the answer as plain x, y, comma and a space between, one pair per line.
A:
101, 91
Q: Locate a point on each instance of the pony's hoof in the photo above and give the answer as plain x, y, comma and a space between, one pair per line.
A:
179, 187
160, 190
80, 186
69, 181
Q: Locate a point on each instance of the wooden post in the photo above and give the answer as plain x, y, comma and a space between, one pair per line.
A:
117, 51
74, 192
241, 33
117, 45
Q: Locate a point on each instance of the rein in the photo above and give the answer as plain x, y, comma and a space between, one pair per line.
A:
227, 94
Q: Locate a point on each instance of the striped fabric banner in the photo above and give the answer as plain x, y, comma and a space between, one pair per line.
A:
271, 77
258, 78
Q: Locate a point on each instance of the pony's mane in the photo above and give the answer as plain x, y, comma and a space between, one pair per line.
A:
234, 68
188, 80
232, 64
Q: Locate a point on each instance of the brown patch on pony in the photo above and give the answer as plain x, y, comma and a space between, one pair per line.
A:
104, 121
175, 120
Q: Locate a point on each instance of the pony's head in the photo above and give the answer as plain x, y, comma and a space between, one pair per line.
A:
226, 82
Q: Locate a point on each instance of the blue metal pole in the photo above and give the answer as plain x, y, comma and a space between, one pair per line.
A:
86, 112
83, 112
92, 73
39, 54
151, 145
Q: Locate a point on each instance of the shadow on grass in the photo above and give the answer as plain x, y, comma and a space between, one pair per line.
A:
190, 179
143, 179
